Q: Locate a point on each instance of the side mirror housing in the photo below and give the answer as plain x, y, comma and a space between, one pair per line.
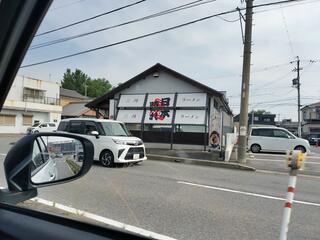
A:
95, 133
44, 159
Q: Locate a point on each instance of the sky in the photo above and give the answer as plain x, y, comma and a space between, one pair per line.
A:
209, 51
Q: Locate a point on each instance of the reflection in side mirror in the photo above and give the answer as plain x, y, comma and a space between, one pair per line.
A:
55, 158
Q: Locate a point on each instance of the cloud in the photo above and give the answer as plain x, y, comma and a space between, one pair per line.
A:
209, 51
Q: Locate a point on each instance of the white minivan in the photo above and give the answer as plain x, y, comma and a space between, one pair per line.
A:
112, 142
42, 127
275, 139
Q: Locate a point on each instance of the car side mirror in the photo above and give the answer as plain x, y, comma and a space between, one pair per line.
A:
44, 159
95, 133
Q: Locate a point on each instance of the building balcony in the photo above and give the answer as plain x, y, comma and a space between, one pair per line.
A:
43, 100
311, 120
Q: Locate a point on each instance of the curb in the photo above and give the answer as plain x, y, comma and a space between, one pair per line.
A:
192, 161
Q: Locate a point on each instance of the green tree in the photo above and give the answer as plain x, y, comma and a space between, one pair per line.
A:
77, 81
97, 87
260, 112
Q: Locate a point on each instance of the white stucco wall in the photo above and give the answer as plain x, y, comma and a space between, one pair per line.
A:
19, 127
16, 92
165, 83
14, 104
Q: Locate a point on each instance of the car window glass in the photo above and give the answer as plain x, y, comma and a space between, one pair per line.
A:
37, 158
52, 125
89, 127
43, 148
63, 126
263, 132
280, 134
76, 127
43, 125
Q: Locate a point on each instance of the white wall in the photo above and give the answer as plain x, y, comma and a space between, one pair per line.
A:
19, 127
16, 92
165, 83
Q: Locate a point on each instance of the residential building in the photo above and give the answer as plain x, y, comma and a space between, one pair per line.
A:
67, 96
256, 119
30, 101
77, 109
289, 125
163, 106
311, 119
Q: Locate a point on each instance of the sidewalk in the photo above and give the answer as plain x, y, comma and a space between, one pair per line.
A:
194, 157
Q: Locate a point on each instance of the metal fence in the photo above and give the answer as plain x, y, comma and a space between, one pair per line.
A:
43, 100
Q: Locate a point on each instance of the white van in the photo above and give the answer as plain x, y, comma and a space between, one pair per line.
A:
112, 142
42, 127
274, 139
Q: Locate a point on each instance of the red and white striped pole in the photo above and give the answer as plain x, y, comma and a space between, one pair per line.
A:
295, 162
288, 204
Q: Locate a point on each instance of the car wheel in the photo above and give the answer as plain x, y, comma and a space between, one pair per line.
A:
106, 158
301, 148
36, 131
255, 148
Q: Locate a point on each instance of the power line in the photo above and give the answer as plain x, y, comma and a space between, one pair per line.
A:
66, 5
91, 18
286, 6
287, 31
158, 14
154, 33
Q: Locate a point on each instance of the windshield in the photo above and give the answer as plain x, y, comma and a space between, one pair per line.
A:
213, 93
115, 129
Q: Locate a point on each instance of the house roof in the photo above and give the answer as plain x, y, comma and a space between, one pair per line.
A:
71, 93
158, 67
317, 104
74, 109
236, 118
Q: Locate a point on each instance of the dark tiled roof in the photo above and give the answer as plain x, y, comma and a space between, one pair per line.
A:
74, 109
71, 93
158, 67
317, 104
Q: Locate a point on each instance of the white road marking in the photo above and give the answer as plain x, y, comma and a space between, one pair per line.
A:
284, 155
248, 193
283, 161
286, 174
104, 220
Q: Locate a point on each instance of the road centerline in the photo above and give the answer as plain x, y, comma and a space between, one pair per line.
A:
247, 193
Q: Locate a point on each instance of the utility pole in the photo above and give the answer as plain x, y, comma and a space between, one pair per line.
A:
296, 83
242, 148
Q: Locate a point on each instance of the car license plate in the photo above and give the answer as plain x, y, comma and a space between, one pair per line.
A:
136, 156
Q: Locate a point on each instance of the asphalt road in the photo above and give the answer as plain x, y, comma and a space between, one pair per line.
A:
193, 202
63, 170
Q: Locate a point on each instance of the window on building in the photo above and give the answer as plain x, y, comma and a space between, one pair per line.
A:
27, 120
267, 120
189, 128
33, 93
7, 119
256, 118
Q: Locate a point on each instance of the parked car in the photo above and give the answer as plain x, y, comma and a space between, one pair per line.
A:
275, 139
42, 127
43, 166
313, 138
112, 141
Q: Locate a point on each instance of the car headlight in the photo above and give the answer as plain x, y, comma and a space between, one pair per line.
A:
120, 142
